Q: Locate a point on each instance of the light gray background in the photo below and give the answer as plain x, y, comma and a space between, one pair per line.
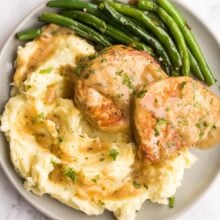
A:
12, 206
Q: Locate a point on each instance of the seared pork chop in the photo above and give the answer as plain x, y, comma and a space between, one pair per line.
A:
108, 83
174, 114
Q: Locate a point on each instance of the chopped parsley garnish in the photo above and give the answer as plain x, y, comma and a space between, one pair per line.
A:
120, 95
157, 131
54, 163
60, 139
126, 79
71, 174
214, 127
219, 88
182, 84
136, 185
201, 134
91, 71
101, 202
171, 202
46, 71
145, 186
113, 154
77, 70
160, 122
119, 73
141, 93
95, 179
167, 109
39, 118
27, 87
202, 125
103, 60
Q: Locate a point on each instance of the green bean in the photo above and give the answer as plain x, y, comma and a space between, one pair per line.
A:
163, 37
79, 28
190, 39
73, 4
155, 19
194, 67
137, 30
29, 34
77, 5
107, 29
87, 19
174, 29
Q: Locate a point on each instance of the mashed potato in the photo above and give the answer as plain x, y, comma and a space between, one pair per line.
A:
58, 153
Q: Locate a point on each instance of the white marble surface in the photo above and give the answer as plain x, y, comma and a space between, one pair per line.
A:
12, 205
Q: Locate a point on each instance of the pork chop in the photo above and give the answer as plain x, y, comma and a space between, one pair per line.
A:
108, 82
174, 114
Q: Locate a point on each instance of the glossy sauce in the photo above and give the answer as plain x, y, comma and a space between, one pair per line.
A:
46, 46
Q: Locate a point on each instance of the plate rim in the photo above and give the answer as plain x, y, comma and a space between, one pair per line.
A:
4, 168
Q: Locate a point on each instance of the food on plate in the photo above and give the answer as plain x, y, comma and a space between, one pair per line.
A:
175, 114
173, 27
168, 15
136, 29
190, 40
29, 34
122, 37
108, 82
88, 33
55, 149
98, 119
163, 22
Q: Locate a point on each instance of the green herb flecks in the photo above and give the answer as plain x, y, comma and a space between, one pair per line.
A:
95, 179
71, 174
171, 202
146, 187
103, 60
141, 93
119, 95
60, 139
167, 109
113, 154
40, 118
202, 125
53, 162
182, 84
78, 70
160, 122
46, 71
27, 87
126, 79
137, 185
214, 127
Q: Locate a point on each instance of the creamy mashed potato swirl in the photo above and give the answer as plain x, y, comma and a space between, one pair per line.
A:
58, 153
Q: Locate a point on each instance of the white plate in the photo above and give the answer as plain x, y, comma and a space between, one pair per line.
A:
196, 180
